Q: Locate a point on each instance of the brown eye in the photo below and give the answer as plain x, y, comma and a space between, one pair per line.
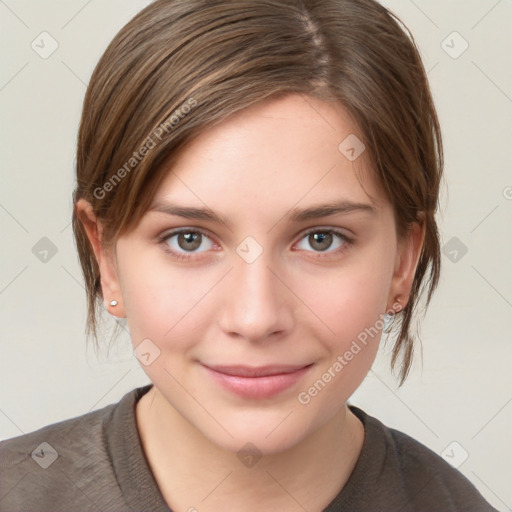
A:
320, 241
328, 241
186, 242
189, 241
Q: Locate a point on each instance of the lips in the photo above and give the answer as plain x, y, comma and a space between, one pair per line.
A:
259, 382
252, 372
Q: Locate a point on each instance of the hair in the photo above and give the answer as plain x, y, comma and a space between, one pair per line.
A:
181, 66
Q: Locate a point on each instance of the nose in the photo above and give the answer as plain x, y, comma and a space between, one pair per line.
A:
257, 305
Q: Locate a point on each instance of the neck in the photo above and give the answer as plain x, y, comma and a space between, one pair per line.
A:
191, 471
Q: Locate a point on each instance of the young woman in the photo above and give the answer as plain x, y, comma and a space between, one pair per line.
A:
257, 183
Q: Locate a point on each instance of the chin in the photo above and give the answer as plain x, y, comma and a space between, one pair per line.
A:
270, 432
252, 439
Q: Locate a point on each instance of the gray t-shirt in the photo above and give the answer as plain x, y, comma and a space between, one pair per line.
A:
95, 462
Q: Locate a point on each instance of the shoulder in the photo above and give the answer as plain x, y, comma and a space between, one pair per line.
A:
60, 436
413, 473
57, 465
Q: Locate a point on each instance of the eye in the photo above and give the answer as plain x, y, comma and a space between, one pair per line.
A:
186, 241
322, 239
182, 244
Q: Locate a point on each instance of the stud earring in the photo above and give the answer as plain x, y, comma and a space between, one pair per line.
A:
113, 303
389, 319
388, 322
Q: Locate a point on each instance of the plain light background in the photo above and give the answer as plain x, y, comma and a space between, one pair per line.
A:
458, 399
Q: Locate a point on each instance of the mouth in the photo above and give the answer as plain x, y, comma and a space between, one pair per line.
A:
257, 382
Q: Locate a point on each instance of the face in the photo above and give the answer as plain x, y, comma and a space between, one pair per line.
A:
255, 309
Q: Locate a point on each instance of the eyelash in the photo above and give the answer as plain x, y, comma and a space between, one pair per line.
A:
347, 242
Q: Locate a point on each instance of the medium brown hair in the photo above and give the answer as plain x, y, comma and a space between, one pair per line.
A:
181, 66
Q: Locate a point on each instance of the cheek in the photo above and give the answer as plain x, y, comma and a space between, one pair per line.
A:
350, 299
349, 307
162, 300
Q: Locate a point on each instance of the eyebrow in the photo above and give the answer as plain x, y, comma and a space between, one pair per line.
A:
295, 215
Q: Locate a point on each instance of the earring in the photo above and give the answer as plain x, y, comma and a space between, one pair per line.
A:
388, 322
113, 303
389, 319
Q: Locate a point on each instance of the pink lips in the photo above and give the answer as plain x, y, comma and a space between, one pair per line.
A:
257, 382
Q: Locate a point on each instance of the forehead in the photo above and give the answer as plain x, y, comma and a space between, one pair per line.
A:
283, 151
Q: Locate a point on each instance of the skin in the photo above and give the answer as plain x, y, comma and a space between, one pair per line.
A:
289, 306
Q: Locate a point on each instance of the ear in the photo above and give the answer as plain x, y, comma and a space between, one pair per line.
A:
110, 286
408, 255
